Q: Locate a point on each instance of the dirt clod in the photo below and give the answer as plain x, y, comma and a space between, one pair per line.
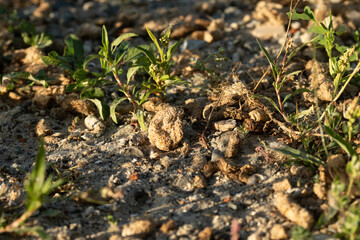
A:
282, 185
168, 226
43, 128
205, 234
233, 144
165, 130
278, 232
293, 211
78, 106
139, 228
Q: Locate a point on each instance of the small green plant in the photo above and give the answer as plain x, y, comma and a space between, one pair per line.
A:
299, 233
342, 193
157, 65
72, 58
38, 187
213, 66
113, 57
338, 65
325, 37
28, 32
280, 77
14, 80
33, 38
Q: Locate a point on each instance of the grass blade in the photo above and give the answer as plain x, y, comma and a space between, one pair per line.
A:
120, 39
148, 54
292, 152
274, 68
153, 38
297, 91
268, 99
342, 143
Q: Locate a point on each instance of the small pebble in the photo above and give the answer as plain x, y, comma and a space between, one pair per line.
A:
225, 125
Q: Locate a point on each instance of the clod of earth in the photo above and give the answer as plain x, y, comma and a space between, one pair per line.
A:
139, 228
43, 128
166, 130
293, 211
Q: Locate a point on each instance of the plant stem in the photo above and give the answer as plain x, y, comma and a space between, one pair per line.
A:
126, 92
15, 224
351, 182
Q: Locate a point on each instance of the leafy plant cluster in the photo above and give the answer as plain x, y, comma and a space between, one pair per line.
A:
113, 58
27, 30
30, 36
335, 130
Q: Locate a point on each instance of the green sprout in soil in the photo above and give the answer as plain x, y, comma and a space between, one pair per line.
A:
113, 57
157, 65
38, 187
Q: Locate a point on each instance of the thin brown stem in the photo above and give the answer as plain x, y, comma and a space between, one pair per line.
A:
15, 224
126, 92
283, 45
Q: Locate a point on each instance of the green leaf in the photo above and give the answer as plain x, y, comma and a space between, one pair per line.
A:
102, 108
90, 58
54, 59
120, 39
295, 153
356, 36
131, 72
134, 52
37, 177
297, 91
307, 15
316, 29
171, 50
341, 29
148, 54
36, 80
113, 106
274, 68
140, 118
119, 56
74, 49
304, 113
81, 74
341, 49
91, 92
341, 142
144, 98
104, 38
268, 99
153, 38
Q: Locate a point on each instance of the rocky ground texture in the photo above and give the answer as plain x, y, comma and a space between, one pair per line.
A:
202, 170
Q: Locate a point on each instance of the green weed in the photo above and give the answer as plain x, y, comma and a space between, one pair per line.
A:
335, 130
157, 65
113, 56
38, 187
299, 233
